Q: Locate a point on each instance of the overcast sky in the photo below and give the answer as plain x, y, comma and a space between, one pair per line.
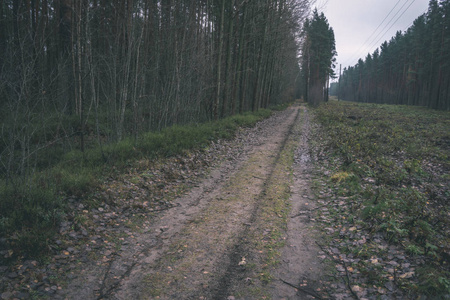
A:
358, 24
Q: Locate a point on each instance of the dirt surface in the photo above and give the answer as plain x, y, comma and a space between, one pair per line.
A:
300, 265
243, 231
255, 217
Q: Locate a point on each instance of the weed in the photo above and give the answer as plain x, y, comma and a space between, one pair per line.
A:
414, 250
341, 176
433, 282
265, 277
394, 160
74, 181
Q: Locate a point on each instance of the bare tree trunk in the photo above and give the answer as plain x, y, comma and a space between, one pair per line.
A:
219, 63
228, 75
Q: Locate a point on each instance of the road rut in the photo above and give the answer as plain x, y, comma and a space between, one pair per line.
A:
224, 238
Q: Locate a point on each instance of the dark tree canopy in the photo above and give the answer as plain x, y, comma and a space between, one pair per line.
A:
73, 72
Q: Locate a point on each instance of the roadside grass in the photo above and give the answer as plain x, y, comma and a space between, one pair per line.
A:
32, 207
389, 167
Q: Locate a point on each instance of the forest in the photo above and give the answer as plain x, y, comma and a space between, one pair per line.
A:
413, 68
88, 85
81, 73
111, 111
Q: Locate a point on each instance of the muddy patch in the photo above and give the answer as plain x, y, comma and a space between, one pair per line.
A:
300, 273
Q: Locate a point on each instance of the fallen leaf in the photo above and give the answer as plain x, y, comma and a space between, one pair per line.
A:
407, 275
356, 288
242, 262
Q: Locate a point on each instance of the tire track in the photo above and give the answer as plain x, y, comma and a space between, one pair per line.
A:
192, 250
225, 283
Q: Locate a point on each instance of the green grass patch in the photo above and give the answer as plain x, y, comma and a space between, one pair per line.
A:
393, 161
29, 218
32, 206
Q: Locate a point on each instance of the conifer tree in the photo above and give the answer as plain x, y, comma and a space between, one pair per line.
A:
411, 68
318, 57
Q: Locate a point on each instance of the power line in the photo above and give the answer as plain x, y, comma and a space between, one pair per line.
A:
383, 31
377, 42
365, 42
359, 52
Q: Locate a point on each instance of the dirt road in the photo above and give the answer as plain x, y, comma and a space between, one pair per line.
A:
238, 234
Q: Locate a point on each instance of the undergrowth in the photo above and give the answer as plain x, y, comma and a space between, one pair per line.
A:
393, 163
31, 207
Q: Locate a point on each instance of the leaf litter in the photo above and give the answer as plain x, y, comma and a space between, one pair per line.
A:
99, 226
368, 265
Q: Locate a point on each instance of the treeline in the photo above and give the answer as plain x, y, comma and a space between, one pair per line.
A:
413, 68
79, 73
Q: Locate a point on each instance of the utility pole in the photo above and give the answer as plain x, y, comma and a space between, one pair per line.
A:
339, 85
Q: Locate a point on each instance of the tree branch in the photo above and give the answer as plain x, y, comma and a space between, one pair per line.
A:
306, 291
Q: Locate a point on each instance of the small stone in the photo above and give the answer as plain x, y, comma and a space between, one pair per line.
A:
330, 230
335, 250
340, 268
389, 285
393, 263
12, 275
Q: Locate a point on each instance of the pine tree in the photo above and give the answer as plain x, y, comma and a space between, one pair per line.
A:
412, 68
319, 51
